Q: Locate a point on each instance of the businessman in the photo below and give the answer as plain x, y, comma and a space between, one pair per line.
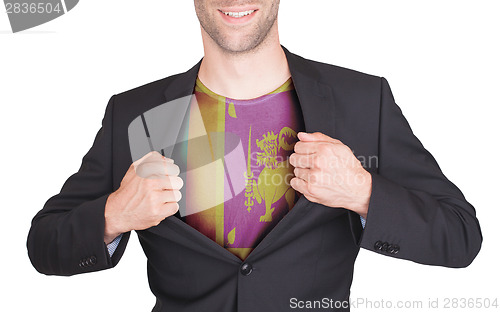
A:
328, 165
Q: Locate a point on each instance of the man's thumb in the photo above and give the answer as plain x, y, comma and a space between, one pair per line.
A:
316, 136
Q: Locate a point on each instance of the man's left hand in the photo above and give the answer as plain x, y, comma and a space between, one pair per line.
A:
327, 172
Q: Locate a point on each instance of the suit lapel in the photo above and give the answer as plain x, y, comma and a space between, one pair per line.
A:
182, 84
318, 107
316, 98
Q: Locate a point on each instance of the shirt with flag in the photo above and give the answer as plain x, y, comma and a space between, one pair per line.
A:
256, 193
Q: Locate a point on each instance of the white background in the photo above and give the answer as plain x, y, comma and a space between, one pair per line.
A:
441, 59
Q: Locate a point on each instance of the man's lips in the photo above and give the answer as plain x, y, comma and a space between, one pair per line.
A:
239, 8
237, 16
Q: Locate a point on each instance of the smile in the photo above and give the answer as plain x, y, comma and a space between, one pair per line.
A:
239, 14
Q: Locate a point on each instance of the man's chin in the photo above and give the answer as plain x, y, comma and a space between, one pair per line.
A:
238, 47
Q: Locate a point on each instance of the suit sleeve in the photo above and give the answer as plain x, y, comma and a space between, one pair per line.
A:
415, 212
67, 236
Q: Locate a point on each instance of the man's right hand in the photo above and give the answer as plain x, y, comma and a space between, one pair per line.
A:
148, 193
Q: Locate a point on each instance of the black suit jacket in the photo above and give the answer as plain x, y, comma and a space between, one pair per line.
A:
415, 212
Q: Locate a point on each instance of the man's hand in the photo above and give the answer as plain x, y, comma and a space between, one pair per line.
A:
148, 193
327, 172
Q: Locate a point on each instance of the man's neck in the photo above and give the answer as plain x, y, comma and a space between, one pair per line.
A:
244, 76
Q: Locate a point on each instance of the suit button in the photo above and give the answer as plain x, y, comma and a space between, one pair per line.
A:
93, 260
396, 249
246, 269
390, 249
378, 245
384, 246
83, 263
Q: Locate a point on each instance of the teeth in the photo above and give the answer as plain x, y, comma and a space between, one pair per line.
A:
239, 14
